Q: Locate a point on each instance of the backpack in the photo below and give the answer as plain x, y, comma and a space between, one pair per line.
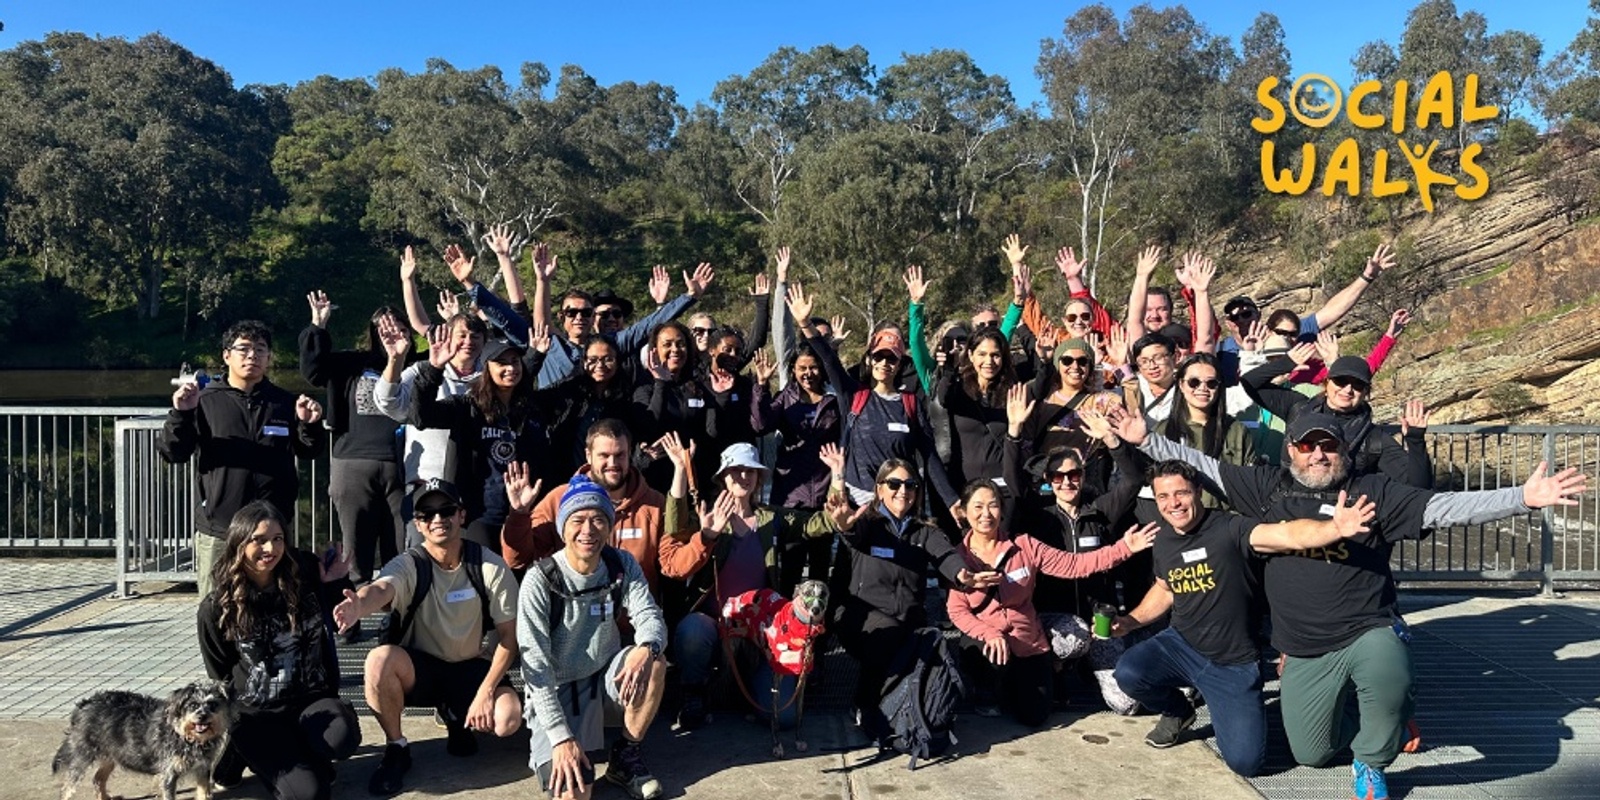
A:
920, 700
858, 401
560, 593
471, 559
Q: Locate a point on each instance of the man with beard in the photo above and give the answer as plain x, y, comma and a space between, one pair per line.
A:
531, 533
1335, 614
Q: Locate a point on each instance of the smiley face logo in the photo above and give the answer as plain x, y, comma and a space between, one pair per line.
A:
1315, 100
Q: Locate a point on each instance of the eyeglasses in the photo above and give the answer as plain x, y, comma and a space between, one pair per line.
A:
1209, 383
577, 313
1287, 333
885, 357
1352, 383
611, 313
1082, 361
1070, 476
250, 349
1329, 446
701, 331
600, 361
1086, 316
1154, 361
443, 512
896, 484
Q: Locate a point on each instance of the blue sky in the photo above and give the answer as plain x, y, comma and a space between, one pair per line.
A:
693, 45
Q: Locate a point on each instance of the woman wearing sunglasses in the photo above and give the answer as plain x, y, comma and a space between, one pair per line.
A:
1199, 418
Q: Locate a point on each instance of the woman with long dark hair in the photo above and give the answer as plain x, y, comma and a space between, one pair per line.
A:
600, 389
974, 397
1199, 418
676, 400
264, 630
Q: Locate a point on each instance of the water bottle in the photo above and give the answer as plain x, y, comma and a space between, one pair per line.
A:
198, 377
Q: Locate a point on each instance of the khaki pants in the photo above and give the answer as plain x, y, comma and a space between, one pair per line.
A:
207, 549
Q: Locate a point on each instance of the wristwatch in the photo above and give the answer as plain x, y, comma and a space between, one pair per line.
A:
654, 648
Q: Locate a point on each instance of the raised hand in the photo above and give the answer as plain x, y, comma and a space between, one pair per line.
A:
441, 346
396, 340
544, 262
660, 284
1013, 250
307, 410
832, 456
1560, 489
838, 509
763, 367
1068, 264
703, 276
321, 308
1198, 272
761, 286
1327, 347
714, 517
1254, 336
1021, 283
1131, 428
1351, 520
1117, 347
799, 304
1302, 352
539, 338
408, 264
460, 266
721, 381
187, 397
840, 332
502, 241
1398, 322
1414, 417
521, 494
672, 446
657, 368
1138, 538
1019, 406
1094, 423
448, 306
783, 264
1149, 257
1044, 345
916, 287
1382, 259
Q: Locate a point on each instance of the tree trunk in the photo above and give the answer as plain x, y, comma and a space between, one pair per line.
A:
150, 303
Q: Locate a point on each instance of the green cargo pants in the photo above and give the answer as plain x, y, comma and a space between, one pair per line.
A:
1315, 698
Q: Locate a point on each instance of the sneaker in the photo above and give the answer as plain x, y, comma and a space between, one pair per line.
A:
1169, 730
391, 771
459, 741
693, 712
1413, 740
626, 769
1369, 782
229, 770
986, 710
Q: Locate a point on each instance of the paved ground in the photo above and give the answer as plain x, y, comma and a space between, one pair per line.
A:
1508, 692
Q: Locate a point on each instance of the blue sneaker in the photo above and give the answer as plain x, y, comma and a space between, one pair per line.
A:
1369, 783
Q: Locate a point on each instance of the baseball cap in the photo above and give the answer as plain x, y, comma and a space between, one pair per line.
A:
887, 340
1303, 426
435, 486
1350, 367
495, 348
1237, 302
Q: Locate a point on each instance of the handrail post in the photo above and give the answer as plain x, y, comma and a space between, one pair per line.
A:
1547, 528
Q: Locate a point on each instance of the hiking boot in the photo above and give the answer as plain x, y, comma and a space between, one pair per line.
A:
1369, 782
693, 712
459, 741
1413, 741
391, 772
626, 769
1169, 730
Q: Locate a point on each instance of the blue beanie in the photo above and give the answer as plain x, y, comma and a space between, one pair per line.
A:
582, 493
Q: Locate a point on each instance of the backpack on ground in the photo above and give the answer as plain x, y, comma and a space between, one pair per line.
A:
560, 593
471, 560
920, 698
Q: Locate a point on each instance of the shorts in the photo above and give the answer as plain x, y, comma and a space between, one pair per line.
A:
450, 686
590, 704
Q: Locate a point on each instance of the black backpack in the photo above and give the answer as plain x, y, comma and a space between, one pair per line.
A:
471, 560
920, 698
560, 592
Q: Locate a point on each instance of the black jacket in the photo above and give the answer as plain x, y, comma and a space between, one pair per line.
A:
576, 404
881, 573
484, 448
247, 443
359, 429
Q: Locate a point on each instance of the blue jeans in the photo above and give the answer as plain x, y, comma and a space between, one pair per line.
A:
694, 645
1152, 671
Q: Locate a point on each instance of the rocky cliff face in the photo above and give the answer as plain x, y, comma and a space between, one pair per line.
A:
1510, 329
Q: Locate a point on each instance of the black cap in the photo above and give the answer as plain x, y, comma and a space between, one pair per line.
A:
495, 348
1350, 367
1238, 302
435, 486
607, 297
1310, 422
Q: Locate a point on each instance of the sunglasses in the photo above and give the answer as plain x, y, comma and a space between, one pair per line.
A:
1082, 361
577, 313
1287, 333
896, 484
988, 323
443, 512
885, 356
1086, 316
1070, 476
1328, 446
701, 331
1354, 383
611, 313
1209, 383
1245, 312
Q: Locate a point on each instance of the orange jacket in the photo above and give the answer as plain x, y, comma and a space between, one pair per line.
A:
637, 529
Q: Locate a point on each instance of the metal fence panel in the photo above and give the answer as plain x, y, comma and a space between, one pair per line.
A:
58, 472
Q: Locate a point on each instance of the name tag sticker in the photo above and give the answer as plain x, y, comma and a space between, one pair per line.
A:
274, 430
460, 595
695, 402
1016, 575
883, 552
630, 533
1000, 482
899, 427
1088, 541
601, 610
1191, 556
733, 398
1326, 510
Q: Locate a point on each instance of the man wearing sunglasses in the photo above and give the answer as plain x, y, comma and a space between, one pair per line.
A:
454, 640
1335, 615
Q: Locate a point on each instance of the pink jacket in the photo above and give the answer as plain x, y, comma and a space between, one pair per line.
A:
1010, 613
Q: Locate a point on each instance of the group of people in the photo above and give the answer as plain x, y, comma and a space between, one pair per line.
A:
556, 487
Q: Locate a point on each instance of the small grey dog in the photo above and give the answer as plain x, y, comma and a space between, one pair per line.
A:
182, 735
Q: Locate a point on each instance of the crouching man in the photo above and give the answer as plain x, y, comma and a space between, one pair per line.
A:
576, 670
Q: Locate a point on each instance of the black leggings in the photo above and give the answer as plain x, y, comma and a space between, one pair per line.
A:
873, 641
1026, 684
293, 749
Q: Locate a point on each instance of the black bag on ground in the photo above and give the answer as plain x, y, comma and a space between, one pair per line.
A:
920, 697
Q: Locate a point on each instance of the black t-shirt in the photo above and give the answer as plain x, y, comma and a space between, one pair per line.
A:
1216, 593
1324, 599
